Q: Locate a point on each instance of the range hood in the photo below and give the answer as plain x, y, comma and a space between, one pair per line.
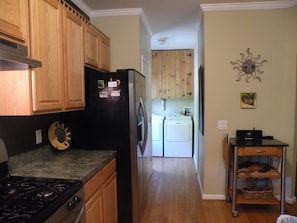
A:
14, 56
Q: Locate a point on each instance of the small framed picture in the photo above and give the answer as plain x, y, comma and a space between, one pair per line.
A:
248, 100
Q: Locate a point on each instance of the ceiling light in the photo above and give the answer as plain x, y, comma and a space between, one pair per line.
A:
162, 40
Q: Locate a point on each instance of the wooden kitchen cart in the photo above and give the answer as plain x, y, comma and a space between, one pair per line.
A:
233, 150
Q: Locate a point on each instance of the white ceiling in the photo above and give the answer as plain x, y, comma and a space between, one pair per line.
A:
175, 20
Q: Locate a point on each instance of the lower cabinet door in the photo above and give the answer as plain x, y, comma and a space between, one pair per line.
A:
110, 199
94, 208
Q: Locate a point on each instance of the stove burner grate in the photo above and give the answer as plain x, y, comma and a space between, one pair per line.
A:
25, 206
14, 217
32, 200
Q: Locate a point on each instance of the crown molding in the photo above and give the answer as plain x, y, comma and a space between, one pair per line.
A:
106, 12
115, 12
248, 5
146, 23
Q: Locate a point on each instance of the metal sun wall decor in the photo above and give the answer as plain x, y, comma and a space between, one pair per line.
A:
248, 66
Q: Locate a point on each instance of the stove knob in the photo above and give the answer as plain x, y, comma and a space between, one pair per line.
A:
70, 205
76, 199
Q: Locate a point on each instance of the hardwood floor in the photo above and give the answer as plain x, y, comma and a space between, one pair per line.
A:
174, 197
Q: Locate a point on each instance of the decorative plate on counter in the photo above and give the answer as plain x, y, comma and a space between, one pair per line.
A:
59, 136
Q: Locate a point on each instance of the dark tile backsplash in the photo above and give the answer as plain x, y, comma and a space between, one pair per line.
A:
18, 132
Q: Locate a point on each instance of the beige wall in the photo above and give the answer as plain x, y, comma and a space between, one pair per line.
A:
125, 34
145, 43
273, 35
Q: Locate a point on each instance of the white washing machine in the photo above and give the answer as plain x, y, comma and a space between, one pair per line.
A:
157, 134
178, 136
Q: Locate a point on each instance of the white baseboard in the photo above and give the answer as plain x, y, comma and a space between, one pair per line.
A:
289, 200
213, 197
199, 182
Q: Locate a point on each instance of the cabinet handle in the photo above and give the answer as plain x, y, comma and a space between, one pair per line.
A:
260, 151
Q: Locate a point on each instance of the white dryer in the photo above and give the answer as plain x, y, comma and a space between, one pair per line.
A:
178, 136
157, 134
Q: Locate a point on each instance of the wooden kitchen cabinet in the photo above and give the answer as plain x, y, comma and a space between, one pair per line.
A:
157, 75
94, 207
14, 20
104, 53
58, 37
92, 46
46, 18
110, 199
184, 73
101, 196
57, 40
172, 74
97, 49
74, 84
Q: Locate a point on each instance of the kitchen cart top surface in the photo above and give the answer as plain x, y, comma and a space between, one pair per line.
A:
262, 142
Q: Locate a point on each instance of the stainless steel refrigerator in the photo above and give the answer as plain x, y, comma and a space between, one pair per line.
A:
115, 118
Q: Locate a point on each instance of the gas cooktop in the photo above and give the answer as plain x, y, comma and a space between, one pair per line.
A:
34, 200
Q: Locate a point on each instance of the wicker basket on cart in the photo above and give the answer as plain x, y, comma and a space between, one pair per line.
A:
257, 188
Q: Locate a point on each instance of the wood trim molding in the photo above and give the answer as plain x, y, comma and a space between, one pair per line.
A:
80, 4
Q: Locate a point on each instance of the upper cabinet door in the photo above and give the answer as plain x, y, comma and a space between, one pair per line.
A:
169, 74
157, 81
97, 48
46, 35
92, 46
74, 61
184, 74
104, 53
14, 20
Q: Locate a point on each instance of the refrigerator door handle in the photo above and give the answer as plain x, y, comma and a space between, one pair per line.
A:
145, 135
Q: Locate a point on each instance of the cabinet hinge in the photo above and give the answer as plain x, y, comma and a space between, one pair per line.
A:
190, 93
190, 74
189, 54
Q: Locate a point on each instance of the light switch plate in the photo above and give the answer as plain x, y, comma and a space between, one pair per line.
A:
222, 124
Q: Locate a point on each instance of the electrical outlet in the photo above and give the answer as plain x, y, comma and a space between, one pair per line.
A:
38, 136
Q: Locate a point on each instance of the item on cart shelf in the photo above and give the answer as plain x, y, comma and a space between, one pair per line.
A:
248, 135
266, 167
250, 167
255, 188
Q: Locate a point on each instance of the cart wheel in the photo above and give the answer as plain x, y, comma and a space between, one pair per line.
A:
235, 213
228, 198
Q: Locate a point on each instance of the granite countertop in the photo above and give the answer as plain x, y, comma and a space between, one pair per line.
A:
69, 164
